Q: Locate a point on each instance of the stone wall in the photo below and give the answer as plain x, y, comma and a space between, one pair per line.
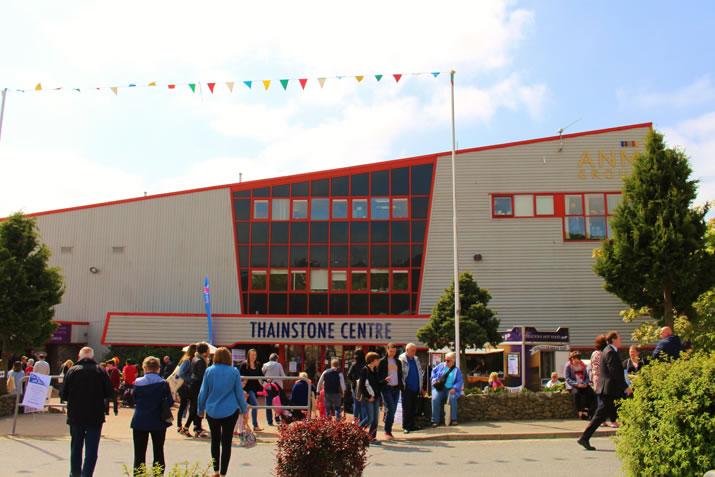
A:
515, 406
7, 405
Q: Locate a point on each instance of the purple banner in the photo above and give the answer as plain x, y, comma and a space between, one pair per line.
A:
63, 334
533, 335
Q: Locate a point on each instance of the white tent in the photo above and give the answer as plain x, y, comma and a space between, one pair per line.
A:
212, 348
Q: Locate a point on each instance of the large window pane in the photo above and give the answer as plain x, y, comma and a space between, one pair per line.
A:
358, 280
400, 304
400, 181
597, 228
417, 255
400, 256
400, 280
258, 304
575, 228
339, 232
339, 280
340, 208
278, 303
399, 208
244, 279
259, 256
298, 280
379, 232
300, 189
318, 280
421, 179
379, 255
502, 206
416, 273
319, 209
318, 304
320, 188
319, 232
259, 232
379, 304
260, 209
595, 204
243, 255
400, 232
359, 208
243, 232
340, 186
278, 280
420, 207
614, 200
360, 184
338, 255
298, 304
279, 232
359, 232
358, 255
359, 305
262, 192
300, 209
242, 209
242, 193
280, 209
419, 228
379, 280
338, 304
319, 256
380, 208
544, 205
574, 205
258, 280
279, 256
524, 205
281, 190
299, 256
380, 184
299, 232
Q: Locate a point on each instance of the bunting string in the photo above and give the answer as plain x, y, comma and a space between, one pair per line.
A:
230, 84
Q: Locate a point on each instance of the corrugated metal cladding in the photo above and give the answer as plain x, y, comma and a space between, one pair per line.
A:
534, 276
179, 330
151, 257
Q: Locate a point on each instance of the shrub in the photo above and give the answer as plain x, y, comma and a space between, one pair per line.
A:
179, 470
555, 388
668, 427
324, 447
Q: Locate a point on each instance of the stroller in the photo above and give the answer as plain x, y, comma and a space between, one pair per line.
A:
285, 416
125, 394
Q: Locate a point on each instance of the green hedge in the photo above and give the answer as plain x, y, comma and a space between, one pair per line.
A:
668, 427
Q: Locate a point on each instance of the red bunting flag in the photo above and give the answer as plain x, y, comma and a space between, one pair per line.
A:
303, 81
211, 87
172, 86
397, 78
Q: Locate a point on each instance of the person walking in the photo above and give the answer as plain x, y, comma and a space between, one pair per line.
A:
42, 366
369, 393
611, 386
221, 398
353, 376
14, 379
251, 367
184, 394
149, 392
272, 368
334, 383
414, 377
389, 374
199, 363
447, 384
85, 388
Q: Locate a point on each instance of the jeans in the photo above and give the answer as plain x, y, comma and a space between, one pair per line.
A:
184, 397
357, 408
221, 438
141, 440
390, 396
437, 398
333, 403
370, 415
270, 394
253, 402
86, 438
194, 390
114, 398
409, 409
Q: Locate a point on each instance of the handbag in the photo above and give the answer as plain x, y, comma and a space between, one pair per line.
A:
175, 381
439, 384
166, 415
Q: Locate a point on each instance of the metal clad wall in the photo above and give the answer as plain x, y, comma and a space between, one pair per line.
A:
534, 276
170, 244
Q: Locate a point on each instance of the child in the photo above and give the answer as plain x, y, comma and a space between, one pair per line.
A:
321, 404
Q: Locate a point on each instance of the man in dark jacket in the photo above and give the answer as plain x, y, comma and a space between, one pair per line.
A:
611, 386
167, 367
669, 346
198, 367
85, 388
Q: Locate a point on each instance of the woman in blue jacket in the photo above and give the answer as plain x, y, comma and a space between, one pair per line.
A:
451, 391
221, 397
149, 391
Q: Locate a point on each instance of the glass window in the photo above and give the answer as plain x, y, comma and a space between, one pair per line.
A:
318, 304
279, 232
340, 208
574, 205
400, 304
339, 280
243, 232
279, 256
358, 305
320, 209
358, 280
544, 205
299, 256
524, 205
278, 280
300, 209
379, 256
360, 184
595, 204
596, 228
400, 181
400, 256
359, 232
421, 179
258, 279
380, 208
320, 188
420, 206
380, 183
319, 256
379, 304
416, 279
339, 256
298, 280
299, 232
260, 209
358, 255
339, 232
262, 192
417, 255
610, 231
400, 232
242, 193
399, 208
379, 280
418, 230
575, 228
281, 190
242, 209
298, 304
280, 209
340, 186
258, 304
259, 256
300, 189
278, 303
259, 232
338, 303
379, 232
614, 200
318, 280
243, 255
244, 279
319, 232
359, 208
502, 206
400, 280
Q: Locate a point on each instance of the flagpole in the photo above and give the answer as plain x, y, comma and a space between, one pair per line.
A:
2, 110
457, 301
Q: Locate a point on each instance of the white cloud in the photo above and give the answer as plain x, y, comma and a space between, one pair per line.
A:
695, 93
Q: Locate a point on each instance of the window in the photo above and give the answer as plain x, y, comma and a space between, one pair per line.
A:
319, 209
259, 256
300, 209
340, 186
544, 205
399, 208
258, 280
299, 190
400, 181
338, 255
262, 192
400, 280
380, 183
422, 179
400, 304
574, 228
523, 205
320, 188
259, 232
299, 232
614, 200
298, 280
379, 280
400, 255
281, 190
360, 184
379, 231
318, 280
319, 256
379, 304
420, 207
358, 280
279, 256
278, 280
339, 232
573, 205
299, 256
319, 232
358, 255
339, 280
596, 228
242, 209
379, 255
359, 232
595, 204
400, 232
243, 232
260, 209
340, 208
280, 209
279, 232
502, 206
359, 208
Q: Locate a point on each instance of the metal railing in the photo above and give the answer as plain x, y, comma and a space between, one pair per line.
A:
18, 403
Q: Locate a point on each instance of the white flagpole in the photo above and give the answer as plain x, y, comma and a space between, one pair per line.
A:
2, 109
457, 301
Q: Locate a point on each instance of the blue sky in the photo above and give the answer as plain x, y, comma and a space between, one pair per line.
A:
524, 69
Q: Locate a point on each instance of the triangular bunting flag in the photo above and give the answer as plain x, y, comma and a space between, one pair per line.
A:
132, 85
192, 86
114, 90
266, 83
248, 83
378, 78
339, 77
38, 87
284, 83
172, 86
397, 78
435, 74
211, 87
359, 78
321, 81
230, 85
303, 81
153, 83
76, 89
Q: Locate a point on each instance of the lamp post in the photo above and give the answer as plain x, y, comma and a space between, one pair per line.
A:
457, 301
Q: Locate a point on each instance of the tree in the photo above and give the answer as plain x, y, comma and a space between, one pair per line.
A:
657, 257
477, 323
29, 289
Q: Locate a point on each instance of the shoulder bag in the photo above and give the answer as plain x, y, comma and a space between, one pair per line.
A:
442, 380
166, 415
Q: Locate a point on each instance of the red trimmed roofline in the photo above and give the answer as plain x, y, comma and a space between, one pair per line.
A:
339, 171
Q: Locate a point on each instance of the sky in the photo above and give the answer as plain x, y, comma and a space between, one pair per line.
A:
524, 69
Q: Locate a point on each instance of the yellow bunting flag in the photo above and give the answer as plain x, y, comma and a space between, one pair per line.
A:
38, 87
267, 83
321, 81
359, 78
230, 85
153, 83
114, 89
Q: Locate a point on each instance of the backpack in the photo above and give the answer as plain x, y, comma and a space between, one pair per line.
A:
358, 389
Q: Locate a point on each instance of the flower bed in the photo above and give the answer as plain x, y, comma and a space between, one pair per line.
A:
516, 406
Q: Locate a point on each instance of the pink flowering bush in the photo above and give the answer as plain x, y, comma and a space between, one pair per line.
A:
324, 447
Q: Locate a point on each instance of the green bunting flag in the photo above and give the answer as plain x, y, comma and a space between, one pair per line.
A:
378, 78
284, 83
192, 86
